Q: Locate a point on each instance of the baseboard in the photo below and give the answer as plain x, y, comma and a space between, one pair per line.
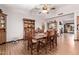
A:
12, 41
3, 43
76, 40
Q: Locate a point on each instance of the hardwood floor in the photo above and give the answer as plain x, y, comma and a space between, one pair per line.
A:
66, 46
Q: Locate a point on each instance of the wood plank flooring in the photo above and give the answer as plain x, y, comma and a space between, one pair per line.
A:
66, 46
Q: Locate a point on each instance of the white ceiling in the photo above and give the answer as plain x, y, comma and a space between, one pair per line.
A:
29, 6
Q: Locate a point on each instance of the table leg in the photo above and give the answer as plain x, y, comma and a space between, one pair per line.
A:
38, 47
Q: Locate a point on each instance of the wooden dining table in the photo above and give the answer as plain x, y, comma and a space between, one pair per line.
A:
39, 37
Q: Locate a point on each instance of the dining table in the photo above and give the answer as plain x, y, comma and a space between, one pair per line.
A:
39, 37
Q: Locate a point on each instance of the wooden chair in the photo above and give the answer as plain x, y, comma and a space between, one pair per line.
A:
46, 42
25, 34
49, 39
32, 44
54, 39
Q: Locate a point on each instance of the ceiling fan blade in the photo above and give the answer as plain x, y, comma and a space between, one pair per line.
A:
53, 8
36, 8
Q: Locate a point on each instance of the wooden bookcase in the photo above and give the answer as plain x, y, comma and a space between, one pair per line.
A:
2, 27
29, 25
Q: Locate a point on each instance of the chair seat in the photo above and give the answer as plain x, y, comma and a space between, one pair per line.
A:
52, 37
34, 41
43, 41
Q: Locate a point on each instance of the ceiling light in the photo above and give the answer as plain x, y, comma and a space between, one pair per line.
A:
44, 8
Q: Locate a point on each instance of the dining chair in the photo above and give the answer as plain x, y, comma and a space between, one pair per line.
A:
54, 39
32, 43
46, 42
49, 39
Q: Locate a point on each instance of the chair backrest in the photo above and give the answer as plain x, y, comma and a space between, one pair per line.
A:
29, 37
26, 34
48, 36
55, 34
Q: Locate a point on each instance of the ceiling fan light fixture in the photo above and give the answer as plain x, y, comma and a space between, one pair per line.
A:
44, 8
44, 11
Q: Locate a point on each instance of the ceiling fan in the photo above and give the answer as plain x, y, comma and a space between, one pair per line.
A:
44, 8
